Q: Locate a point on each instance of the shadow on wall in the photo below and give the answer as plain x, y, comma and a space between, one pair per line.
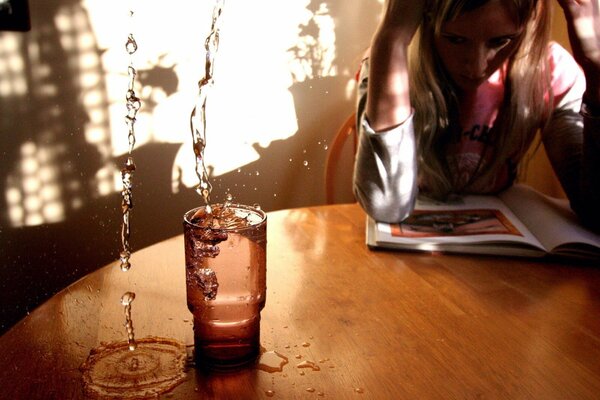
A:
56, 225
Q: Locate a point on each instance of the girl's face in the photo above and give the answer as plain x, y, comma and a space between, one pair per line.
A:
476, 43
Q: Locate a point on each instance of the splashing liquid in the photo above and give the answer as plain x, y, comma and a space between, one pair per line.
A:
133, 104
126, 300
150, 366
207, 245
198, 115
112, 371
226, 324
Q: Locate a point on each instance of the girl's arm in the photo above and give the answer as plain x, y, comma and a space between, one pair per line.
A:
575, 156
385, 172
388, 102
583, 25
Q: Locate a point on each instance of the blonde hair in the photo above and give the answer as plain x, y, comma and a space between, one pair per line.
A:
524, 108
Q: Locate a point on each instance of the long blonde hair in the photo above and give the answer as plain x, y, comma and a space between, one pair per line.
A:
524, 108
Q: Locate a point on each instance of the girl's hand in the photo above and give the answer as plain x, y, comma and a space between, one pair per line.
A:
583, 24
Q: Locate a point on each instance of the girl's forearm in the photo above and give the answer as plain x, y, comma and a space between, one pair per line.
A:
388, 101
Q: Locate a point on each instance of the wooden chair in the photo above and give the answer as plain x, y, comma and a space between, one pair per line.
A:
346, 131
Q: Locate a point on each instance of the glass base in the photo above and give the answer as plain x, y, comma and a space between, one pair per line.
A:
225, 356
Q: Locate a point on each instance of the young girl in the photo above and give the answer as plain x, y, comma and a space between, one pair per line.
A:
456, 110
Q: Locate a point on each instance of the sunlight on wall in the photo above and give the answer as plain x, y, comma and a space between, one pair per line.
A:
47, 182
33, 194
313, 54
12, 80
257, 63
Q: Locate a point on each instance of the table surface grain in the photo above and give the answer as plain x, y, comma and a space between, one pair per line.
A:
380, 324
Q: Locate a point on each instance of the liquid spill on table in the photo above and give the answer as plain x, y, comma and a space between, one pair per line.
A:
114, 371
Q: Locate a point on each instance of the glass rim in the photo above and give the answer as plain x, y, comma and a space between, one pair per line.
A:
261, 213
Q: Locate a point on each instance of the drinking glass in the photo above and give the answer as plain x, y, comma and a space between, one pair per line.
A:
225, 256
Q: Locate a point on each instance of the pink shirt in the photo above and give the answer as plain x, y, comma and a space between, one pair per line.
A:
478, 114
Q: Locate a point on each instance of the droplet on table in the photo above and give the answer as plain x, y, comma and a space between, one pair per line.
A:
271, 361
308, 364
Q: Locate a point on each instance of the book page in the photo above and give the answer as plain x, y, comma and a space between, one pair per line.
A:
468, 220
550, 220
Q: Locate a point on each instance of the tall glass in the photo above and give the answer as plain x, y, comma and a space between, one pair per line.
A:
226, 283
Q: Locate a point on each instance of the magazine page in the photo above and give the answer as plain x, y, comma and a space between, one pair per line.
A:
463, 221
549, 219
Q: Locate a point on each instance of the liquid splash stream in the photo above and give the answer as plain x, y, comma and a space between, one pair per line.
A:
198, 115
149, 366
133, 105
126, 301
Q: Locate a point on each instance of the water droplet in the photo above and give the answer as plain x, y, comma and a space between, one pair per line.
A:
298, 356
310, 389
127, 298
308, 364
269, 393
326, 147
359, 390
305, 163
131, 45
305, 344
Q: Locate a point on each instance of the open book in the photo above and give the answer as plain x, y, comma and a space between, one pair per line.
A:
518, 222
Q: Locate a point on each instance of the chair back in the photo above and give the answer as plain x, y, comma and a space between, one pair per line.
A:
346, 131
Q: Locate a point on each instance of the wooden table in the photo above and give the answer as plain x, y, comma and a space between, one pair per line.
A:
381, 325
